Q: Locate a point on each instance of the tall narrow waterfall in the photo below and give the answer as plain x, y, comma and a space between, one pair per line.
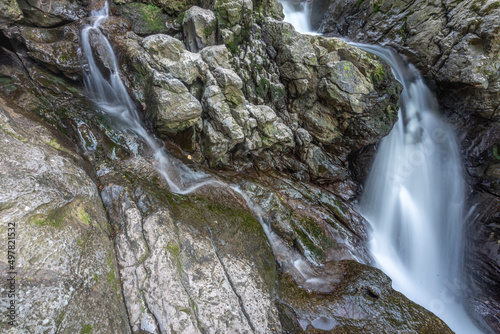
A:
414, 199
299, 15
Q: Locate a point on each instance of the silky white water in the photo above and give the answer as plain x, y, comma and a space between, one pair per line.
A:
300, 19
414, 200
414, 196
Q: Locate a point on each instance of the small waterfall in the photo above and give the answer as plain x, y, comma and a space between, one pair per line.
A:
414, 200
111, 96
298, 13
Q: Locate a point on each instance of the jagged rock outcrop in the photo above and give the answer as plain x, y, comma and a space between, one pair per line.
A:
344, 97
200, 28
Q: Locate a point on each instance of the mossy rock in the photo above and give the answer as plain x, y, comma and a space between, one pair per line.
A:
146, 19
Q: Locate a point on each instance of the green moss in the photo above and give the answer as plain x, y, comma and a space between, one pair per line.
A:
209, 30
186, 310
87, 329
40, 220
378, 75
153, 17
113, 280
262, 88
376, 8
5, 80
60, 318
238, 40
54, 144
313, 239
96, 278
174, 248
496, 155
82, 214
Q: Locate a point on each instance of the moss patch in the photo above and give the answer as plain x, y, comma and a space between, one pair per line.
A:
87, 329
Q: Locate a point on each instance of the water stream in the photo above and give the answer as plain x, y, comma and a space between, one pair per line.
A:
414, 200
299, 15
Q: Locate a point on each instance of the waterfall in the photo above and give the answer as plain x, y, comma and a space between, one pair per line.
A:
414, 200
299, 15
111, 97
416, 181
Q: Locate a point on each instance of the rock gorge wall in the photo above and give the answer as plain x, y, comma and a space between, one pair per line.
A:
232, 91
456, 46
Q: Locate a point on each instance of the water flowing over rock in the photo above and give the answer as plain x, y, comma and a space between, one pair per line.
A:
225, 174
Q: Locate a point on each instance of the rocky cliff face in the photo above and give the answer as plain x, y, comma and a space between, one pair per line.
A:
455, 44
234, 93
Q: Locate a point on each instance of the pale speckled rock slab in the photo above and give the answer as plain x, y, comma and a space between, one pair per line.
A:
180, 277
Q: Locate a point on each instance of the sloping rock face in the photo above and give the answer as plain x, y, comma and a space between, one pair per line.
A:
456, 45
66, 273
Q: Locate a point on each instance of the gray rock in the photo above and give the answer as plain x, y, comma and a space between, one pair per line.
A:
271, 128
51, 14
9, 12
56, 48
216, 56
214, 102
188, 269
171, 106
214, 145
231, 85
170, 55
200, 28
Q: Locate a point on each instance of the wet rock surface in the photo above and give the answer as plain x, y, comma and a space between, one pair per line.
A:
235, 94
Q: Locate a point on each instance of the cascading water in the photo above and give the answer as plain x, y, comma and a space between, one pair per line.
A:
414, 196
299, 15
419, 159
414, 199
110, 95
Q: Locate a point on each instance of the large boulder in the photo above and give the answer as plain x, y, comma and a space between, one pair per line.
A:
56, 48
171, 106
200, 28
172, 57
52, 13
190, 264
